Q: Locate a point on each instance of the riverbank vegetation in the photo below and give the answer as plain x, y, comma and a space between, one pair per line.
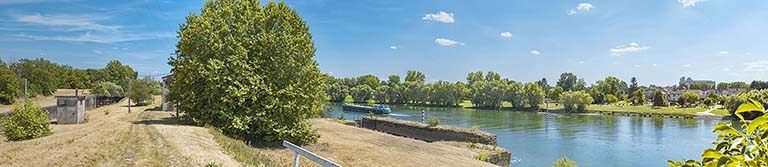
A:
743, 146
489, 90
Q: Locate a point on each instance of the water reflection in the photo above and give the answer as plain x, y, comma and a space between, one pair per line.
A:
538, 139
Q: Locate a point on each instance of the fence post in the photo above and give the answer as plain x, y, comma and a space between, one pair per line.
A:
296, 160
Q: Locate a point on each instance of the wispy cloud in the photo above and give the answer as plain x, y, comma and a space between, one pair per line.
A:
506, 34
441, 16
447, 42
581, 7
90, 37
394, 47
686, 65
689, 3
68, 22
723, 52
623, 49
535, 52
758, 66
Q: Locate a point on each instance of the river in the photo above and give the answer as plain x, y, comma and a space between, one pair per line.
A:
539, 139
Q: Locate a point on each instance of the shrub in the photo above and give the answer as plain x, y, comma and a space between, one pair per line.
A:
24, 125
564, 162
482, 156
660, 99
433, 121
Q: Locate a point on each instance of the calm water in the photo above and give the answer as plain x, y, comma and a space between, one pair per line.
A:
538, 139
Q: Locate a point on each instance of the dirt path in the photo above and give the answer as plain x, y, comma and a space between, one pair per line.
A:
116, 139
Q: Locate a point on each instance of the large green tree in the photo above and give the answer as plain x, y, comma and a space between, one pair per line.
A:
690, 99
43, 76
248, 69
534, 95
142, 90
567, 81
660, 99
119, 74
9, 85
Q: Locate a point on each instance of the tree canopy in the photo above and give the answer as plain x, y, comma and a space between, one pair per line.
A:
248, 69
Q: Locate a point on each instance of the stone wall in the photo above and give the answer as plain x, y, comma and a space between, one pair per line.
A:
426, 133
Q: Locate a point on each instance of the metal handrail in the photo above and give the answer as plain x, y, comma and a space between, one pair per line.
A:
311, 156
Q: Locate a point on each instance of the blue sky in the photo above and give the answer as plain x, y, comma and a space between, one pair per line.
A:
657, 41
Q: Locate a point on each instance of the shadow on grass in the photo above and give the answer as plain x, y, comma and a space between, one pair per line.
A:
161, 121
158, 108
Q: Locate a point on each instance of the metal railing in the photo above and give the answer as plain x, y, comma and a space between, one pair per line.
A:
311, 156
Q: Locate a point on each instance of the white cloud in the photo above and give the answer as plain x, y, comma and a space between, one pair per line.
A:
441, 16
394, 47
581, 7
637, 66
581, 62
623, 49
447, 42
758, 66
68, 22
654, 64
723, 52
686, 65
90, 37
726, 69
689, 3
506, 34
535, 52
584, 7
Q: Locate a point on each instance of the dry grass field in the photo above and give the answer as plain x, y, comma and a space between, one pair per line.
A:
113, 137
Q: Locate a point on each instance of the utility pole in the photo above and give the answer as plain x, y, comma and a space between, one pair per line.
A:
129, 96
25, 94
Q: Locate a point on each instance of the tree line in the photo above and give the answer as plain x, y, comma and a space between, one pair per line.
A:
44, 77
490, 90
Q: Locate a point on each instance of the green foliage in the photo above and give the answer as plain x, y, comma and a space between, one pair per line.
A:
515, 94
576, 101
337, 92
361, 93
75, 79
638, 97
433, 121
567, 81
611, 99
119, 74
564, 162
690, 99
43, 76
488, 94
534, 95
108, 89
415, 76
737, 147
611, 86
380, 95
473, 77
248, 69
555, 93
26, 124
9, 85
142, 91
483, 156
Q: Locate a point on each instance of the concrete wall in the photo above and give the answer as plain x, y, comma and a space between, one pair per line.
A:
423, 132
70, 109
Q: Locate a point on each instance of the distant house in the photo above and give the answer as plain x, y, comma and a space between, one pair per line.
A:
167, 105
732, 91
